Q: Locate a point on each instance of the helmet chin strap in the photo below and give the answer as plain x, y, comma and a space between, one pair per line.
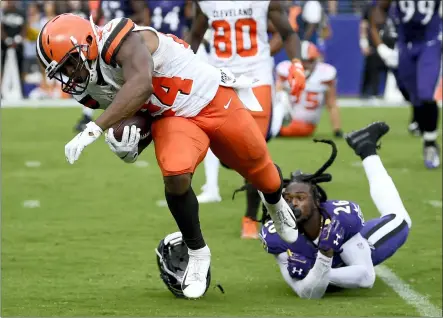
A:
93, 75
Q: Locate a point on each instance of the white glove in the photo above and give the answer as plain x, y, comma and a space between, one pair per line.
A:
74, 148
389, 56
127, 148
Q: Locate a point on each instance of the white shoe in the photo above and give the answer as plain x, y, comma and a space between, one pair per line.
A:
209, 195
194, 283
283, 218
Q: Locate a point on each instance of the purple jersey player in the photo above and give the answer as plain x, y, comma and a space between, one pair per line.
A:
419, 44
170, 16
335, 245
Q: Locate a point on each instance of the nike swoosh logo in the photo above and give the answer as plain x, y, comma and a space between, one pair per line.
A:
227, 105
184, 285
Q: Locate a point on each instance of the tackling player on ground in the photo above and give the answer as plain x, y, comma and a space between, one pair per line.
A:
123, 68
336, 246
419, 43
305, 111
240, 42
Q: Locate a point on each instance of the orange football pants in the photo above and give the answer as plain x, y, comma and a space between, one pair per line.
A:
233, 135
297, 128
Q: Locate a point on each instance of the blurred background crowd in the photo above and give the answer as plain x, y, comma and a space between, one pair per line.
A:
338, 34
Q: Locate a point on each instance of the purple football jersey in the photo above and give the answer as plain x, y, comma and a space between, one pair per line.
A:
168, 16
418, 21
349, 215
347, 212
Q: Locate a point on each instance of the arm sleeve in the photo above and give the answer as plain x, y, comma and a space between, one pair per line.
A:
314, 285
359, 272
312, 12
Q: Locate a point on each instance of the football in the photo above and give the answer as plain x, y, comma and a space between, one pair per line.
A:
142, 120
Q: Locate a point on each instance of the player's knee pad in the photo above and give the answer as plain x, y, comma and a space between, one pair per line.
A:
177, 185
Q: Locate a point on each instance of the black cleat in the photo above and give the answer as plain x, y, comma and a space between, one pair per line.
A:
81, 124
413, 129
364, 141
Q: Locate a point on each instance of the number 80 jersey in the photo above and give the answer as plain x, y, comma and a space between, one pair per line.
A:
239, 38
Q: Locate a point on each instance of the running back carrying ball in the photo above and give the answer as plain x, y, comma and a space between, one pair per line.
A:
141, 120
125, 133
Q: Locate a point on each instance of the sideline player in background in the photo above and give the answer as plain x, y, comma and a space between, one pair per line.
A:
123, 68
419, 43
240, 42
320, 91
336, 246
170, 17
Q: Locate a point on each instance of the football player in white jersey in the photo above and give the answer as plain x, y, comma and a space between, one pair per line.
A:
239, 41
123, 68
305, 111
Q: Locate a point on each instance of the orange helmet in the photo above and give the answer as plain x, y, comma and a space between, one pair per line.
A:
67, 46
309, 56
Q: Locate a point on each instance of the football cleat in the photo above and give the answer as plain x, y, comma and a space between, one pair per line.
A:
249, 228
173, 260
81, 124
413, 129
431, 156
366, 137
283, 218
196, 279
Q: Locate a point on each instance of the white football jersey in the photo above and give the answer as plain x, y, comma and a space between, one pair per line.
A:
183, 83
239, 38
309, 106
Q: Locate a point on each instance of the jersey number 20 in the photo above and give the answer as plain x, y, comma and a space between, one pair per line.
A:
245, 47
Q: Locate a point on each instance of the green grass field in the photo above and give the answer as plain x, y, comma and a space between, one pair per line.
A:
88, 249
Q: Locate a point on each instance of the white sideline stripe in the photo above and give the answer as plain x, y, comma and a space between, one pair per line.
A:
435, 203
62, 103
141, 164
420, 302
31, 204
357, 164
32, 164
161, 203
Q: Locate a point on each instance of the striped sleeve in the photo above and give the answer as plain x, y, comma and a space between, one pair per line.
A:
119, 29
87, 101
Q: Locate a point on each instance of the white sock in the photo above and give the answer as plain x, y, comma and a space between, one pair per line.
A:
88, 111
278, 113
430, 135
383, 190
201, 251
212, 165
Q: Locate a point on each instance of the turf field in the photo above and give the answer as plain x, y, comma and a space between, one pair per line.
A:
87, 247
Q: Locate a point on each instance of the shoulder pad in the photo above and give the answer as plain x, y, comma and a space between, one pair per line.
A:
327, 72
112, 36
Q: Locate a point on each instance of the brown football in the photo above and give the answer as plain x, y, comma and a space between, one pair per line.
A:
142, 120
